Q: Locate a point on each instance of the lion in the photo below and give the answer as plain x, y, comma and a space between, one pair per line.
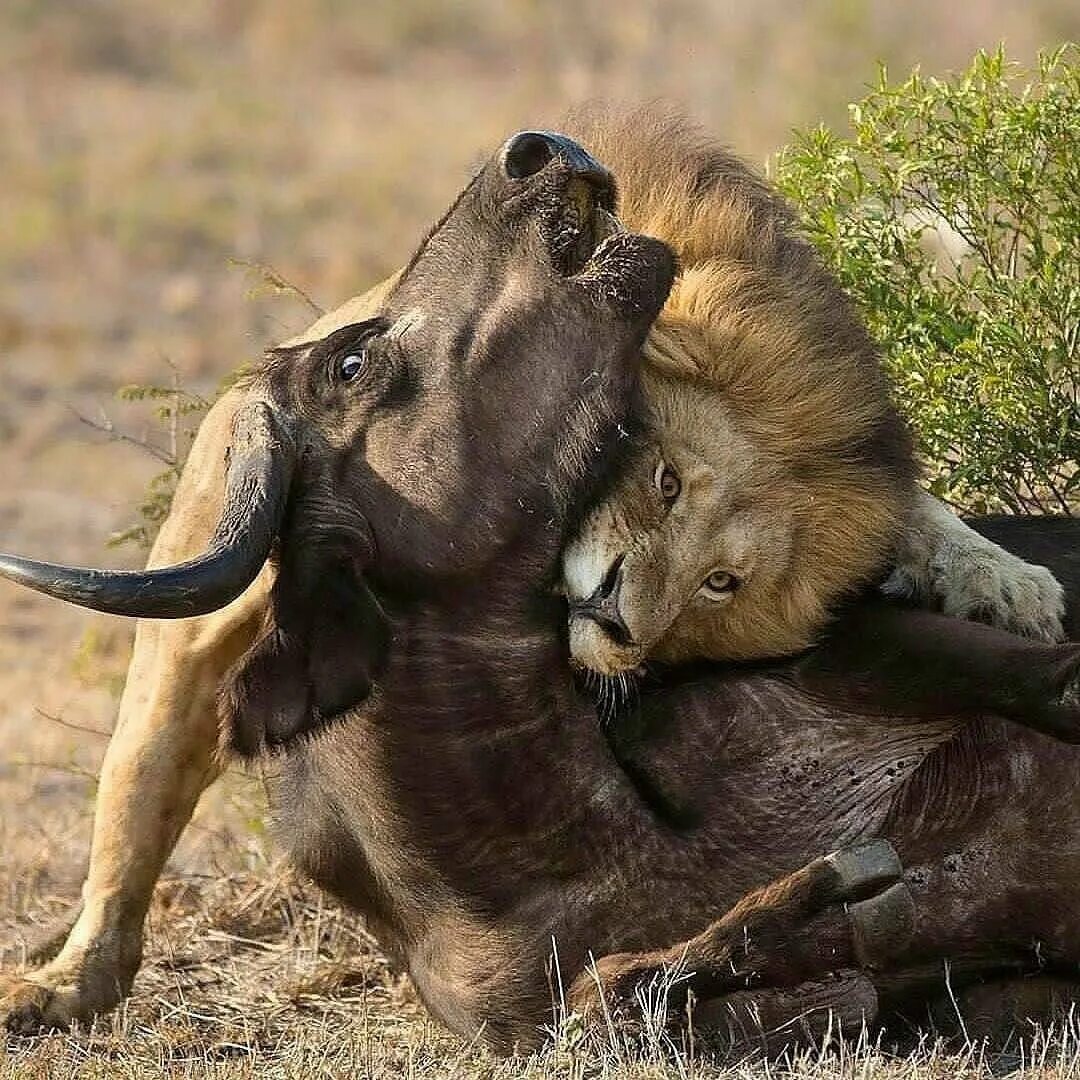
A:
778, 477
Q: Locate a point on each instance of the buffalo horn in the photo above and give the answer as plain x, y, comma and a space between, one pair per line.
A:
260, 464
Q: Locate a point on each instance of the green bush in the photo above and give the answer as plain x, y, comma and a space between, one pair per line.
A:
951, 212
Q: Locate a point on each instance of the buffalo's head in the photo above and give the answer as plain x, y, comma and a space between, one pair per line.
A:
418, 447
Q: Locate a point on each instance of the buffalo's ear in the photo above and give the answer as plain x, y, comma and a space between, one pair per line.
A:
348, 644
265, 699
326, 645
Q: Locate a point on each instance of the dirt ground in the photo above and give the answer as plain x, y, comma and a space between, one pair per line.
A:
146, 152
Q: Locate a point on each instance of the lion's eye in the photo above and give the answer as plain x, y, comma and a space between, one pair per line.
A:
350, 366
719, 585
667, 482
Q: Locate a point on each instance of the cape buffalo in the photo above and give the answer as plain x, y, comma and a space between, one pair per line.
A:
416, 474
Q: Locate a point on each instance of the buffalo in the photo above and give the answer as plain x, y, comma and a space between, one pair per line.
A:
413, 474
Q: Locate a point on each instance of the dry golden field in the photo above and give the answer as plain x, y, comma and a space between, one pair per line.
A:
147, 153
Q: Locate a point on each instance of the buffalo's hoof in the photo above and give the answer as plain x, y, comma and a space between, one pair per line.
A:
880, 907
882, 926
864, 870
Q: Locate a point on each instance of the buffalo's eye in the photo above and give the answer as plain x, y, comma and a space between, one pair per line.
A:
354, 352
719, 585
667, 482
352, 365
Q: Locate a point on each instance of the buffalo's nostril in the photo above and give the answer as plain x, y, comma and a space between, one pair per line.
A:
527, 153
611, 578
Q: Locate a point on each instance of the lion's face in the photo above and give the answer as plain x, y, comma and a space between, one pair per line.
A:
710, 547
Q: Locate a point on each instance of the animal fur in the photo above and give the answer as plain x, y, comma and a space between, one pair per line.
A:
475, 803
798, 474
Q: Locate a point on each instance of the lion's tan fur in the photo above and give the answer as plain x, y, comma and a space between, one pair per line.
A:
761, 368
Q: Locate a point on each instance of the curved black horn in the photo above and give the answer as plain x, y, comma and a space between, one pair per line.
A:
260, 465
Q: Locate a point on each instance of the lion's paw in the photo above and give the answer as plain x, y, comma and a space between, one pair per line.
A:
55, 996
969, 577
30, 1008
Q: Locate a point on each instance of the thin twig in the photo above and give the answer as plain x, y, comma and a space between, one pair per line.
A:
955, 1004
273, 278
107, 427
69, 724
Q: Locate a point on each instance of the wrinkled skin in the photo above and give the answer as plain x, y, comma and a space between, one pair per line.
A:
471, 806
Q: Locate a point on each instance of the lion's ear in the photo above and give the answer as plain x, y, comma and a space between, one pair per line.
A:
326, 645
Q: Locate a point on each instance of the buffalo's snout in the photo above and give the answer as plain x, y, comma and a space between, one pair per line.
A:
529, 152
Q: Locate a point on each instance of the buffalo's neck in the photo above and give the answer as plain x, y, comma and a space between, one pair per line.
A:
475, 810
479, 768
482, 766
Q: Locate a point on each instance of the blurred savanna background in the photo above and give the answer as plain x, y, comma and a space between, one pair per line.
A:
183, 184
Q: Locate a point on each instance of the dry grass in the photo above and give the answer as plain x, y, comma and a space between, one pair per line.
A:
144, 149
256, 975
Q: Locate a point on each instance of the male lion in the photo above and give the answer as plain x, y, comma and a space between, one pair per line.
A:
778, 478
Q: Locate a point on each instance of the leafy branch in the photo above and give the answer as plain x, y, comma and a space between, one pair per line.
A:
950, 210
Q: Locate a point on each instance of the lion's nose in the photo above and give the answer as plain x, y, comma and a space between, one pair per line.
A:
612, 579
603, 606
528, 152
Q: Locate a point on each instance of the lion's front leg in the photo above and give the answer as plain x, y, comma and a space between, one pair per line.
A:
779, 947
159, 761
946, 565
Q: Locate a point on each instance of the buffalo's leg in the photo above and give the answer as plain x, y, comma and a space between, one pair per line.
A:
879, 658
159, 761
1001, 1011
778, 1019
840, 912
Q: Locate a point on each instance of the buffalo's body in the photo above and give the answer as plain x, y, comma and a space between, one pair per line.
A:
1051, 541
480, 814
417, 472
